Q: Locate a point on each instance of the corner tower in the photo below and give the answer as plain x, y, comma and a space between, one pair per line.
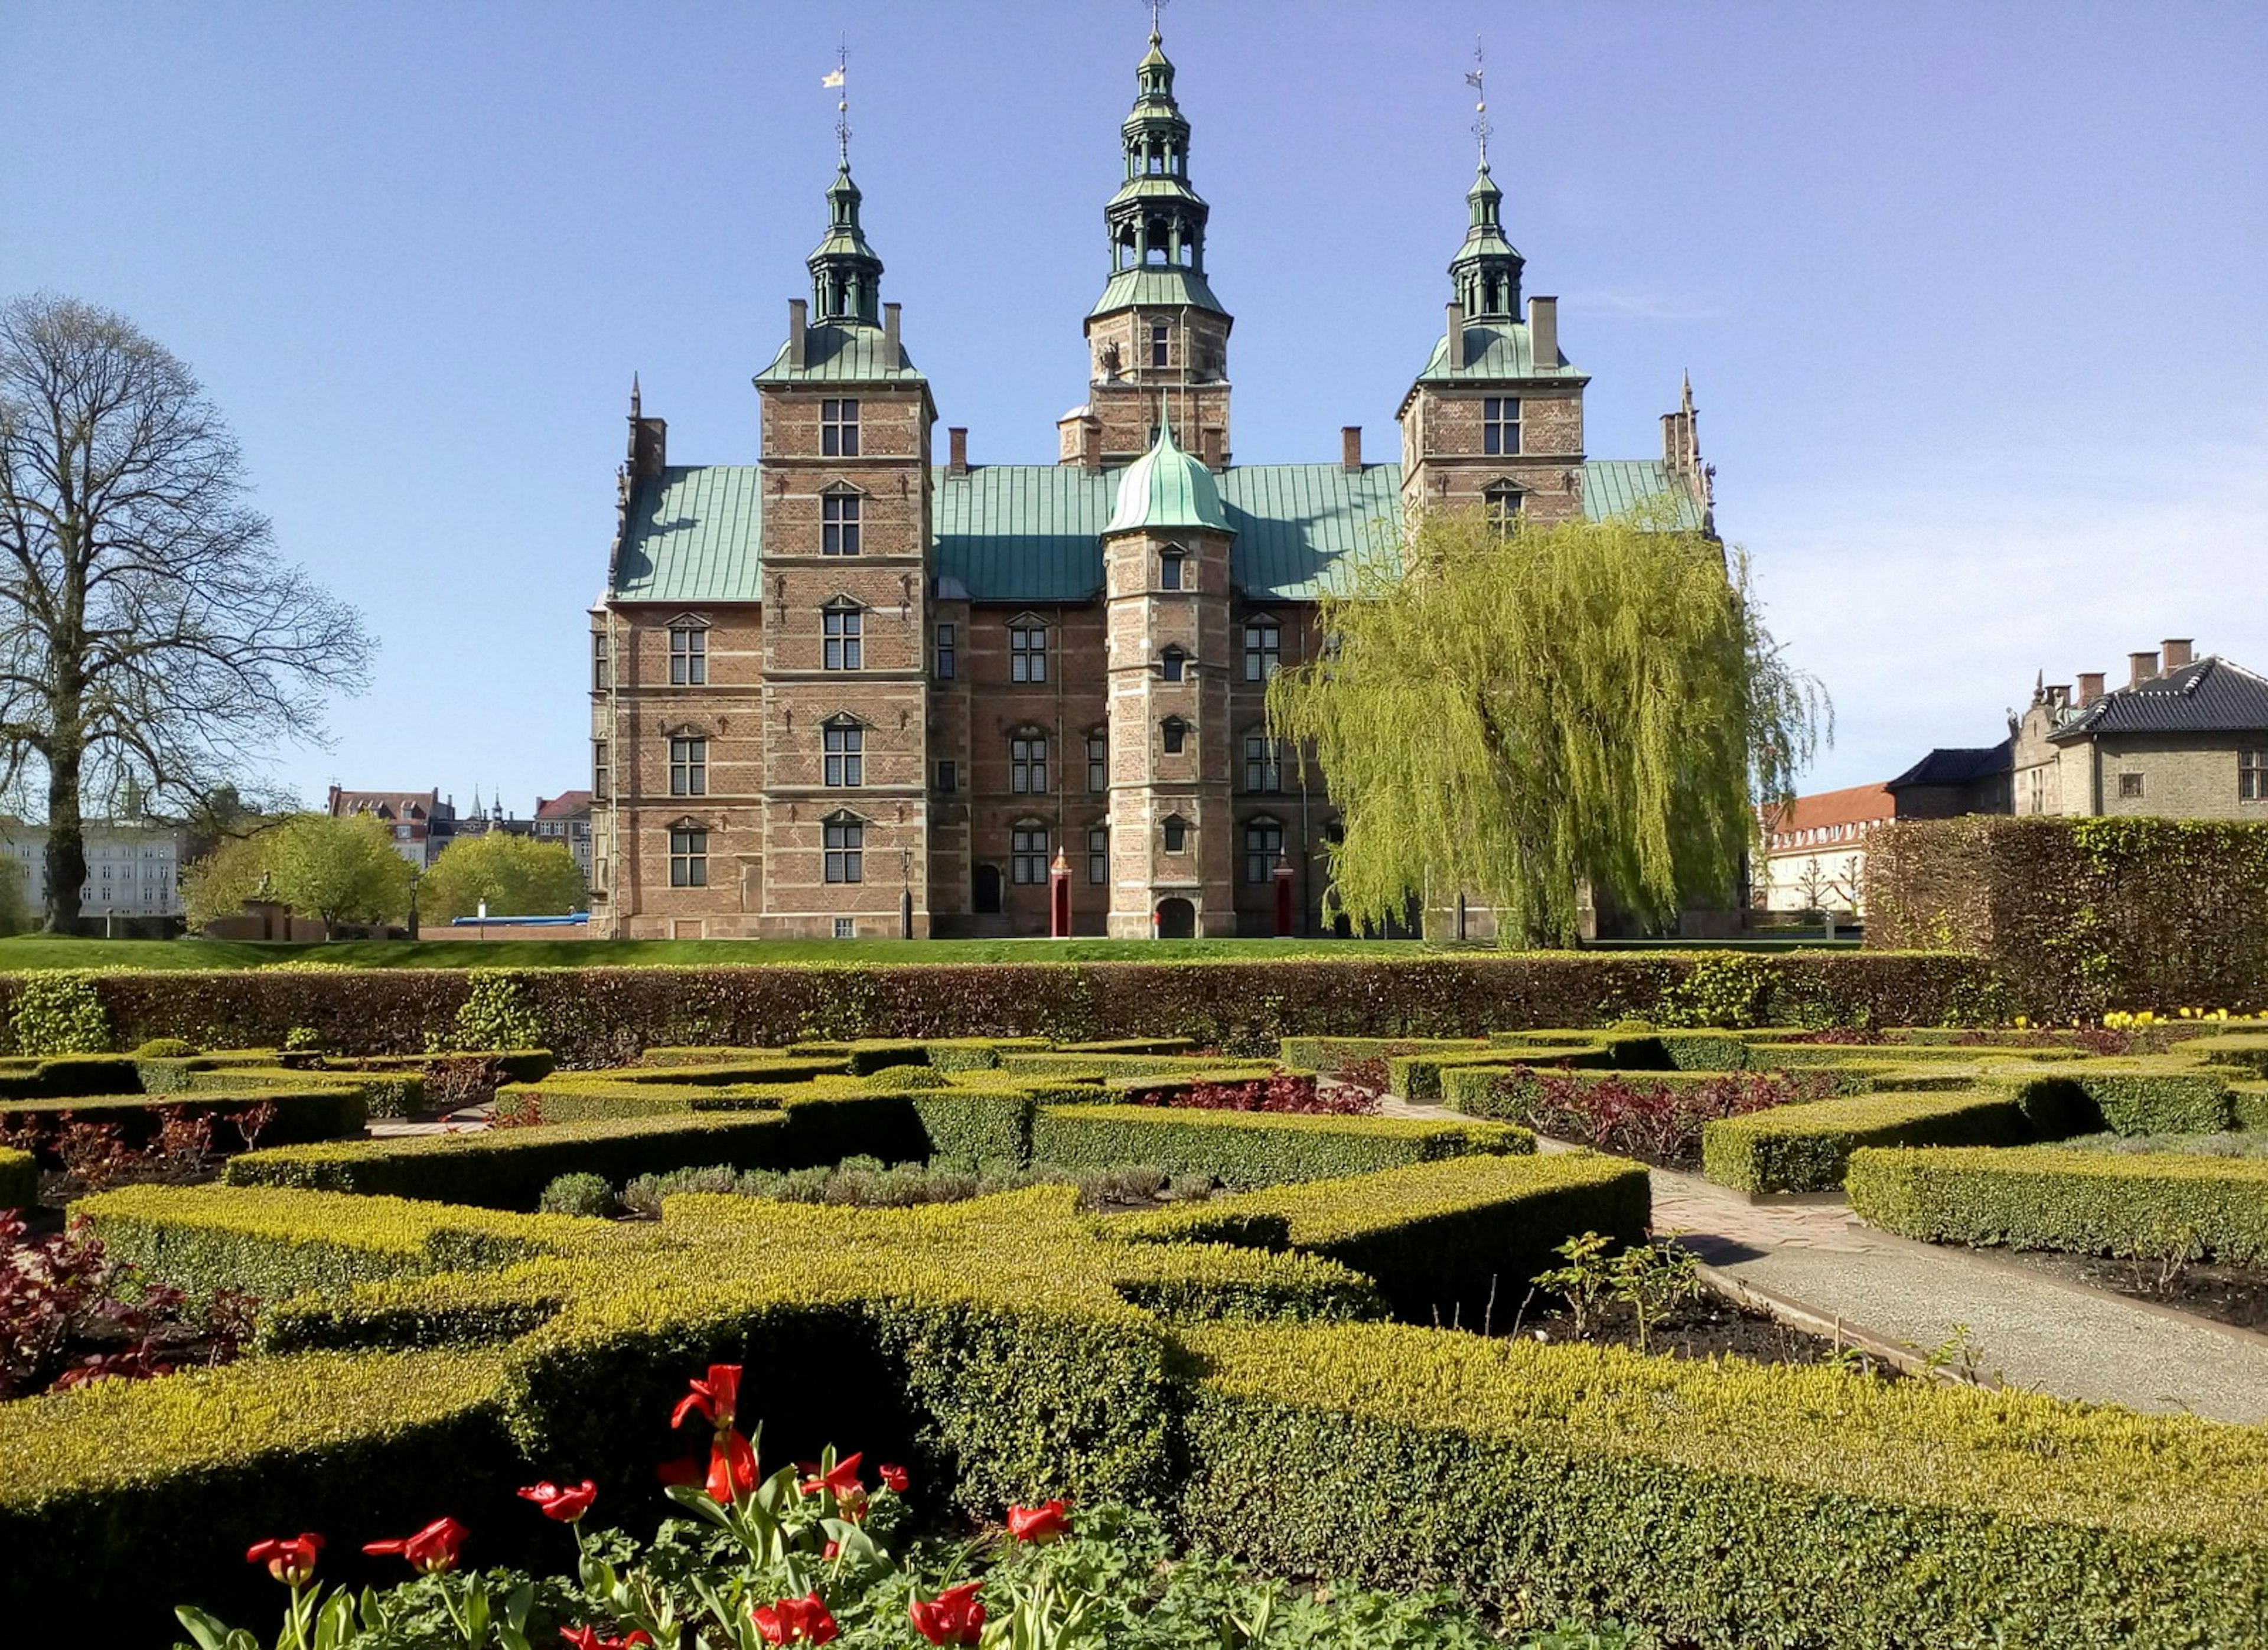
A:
1496, 418
1157, 327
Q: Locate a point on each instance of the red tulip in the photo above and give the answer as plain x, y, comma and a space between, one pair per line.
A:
587, 1638
895, 1477
1045, 1522
954, 1617
566, 1505
732, 1468
831, 1552
842, 1483
290, 1562
795, 1621
688, 1470
431, 1550
713, 1398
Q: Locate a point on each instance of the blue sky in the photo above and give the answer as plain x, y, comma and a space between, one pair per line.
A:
1970, 295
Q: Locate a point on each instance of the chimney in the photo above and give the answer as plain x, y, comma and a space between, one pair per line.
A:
1457, 334
1209, 446
957, 440
2090, 687
1350, 446
649, 446
892, 353
2140, 668
796, 311
1090, 443
2177, 651
1543, 332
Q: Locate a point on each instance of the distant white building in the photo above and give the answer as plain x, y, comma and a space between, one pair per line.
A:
133, 868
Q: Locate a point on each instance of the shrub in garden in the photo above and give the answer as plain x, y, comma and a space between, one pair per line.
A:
70, 1314
1804, 1148
577, 1194
59, 1011
1286, 1093
1631, 1116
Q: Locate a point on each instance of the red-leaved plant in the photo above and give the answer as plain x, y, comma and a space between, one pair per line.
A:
1659, 1123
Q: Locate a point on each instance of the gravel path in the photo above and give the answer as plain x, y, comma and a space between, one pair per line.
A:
2024, 1329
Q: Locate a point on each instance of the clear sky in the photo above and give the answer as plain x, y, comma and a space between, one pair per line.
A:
1972, 295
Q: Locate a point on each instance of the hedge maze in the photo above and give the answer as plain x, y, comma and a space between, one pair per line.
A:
1262, 1365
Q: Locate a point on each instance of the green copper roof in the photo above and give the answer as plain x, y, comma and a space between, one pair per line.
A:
1156, 286
1032, 532
1613, 487
840, 354
692, 534
1165, 488
1492, 350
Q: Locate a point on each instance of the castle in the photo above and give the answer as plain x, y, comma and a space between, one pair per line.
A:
848, 690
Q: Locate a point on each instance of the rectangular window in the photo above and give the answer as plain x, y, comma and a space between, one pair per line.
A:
838, 532
689, 656
1027, 653
945, 652
1027, 764
1161, 345
846, 858
1098, 761
1177, 836
600, 675
1173, 732
1172, 666
1263, 845
846, 928
1028, 863
838, 429
688, 859
1098, 855
1263, 649
1263, 763
601, 779
948, 776
1169, 572
689, 766
846, 755
1501, 425
845, 630
2129, 787
2252, 775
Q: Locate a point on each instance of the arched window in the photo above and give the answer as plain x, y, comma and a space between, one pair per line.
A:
1028, 762
1177, 834
1173, 665
1170, 563
1263, 763
1028, 859
1263, 845
1263, 648
1174, 732
1503, 503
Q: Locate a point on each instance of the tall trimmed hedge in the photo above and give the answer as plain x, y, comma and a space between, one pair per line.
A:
2081, 915
1253, 1148
19, 1179
607, 1016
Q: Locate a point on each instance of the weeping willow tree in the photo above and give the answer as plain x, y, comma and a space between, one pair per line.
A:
1520, 714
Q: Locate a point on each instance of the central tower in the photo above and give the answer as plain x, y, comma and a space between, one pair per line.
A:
1157, 333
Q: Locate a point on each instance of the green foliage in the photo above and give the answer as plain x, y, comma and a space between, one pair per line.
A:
900, 1078
166, 1048
19, 1179
339, 870
1727, 991
2173, 1206
583, 1194
1804, 1148
499, 1012
307, 1112
220, 884
1735, 1505
1527, 711
1250, 1149
517, 876
60, 1012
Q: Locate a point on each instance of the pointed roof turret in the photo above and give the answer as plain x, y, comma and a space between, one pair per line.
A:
1487, 268
846, 275
1166, 488
1156, 221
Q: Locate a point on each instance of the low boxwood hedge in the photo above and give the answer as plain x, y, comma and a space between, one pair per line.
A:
1335, 1054
2154, 1096
1677, 1051
1417, 1077
2172, 1205
508, 1168
64, 1076
303, 1114
19, 1179
1804, 1148
1252, 1148
1728, 1505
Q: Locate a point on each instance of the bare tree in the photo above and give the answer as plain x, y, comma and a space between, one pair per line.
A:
152, 646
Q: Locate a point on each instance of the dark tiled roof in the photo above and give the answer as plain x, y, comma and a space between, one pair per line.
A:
1958, 765
2209, 696
566, 805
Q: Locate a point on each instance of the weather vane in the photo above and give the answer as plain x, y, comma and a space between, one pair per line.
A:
1476, 77
1156, 34
840, 81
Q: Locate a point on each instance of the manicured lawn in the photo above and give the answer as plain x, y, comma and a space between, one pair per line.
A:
40, 951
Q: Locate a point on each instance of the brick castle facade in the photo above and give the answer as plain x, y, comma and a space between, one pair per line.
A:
857, 689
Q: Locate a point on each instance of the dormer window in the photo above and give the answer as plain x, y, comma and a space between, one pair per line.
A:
1173, 665
1169, 570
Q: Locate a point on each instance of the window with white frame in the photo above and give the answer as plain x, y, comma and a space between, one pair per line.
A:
845, 628
845, 849
1263, 649
2252, 775
1028, 763
600, 669
1098, 761
1502, 504
688, 857
1098, 855
844, 748
1028, 859
689, 656
1263, 763
1027, 651
689, 765
1161, 344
